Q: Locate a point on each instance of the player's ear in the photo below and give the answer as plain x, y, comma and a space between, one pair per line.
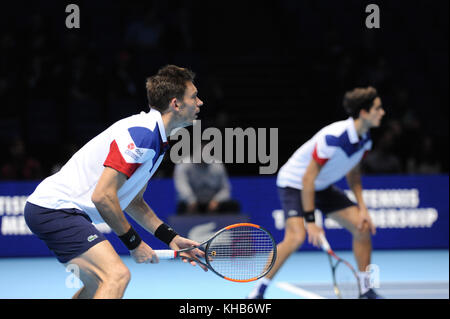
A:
173, 104
363, 113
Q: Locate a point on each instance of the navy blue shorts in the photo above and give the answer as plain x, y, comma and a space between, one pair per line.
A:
327, 201
67, 232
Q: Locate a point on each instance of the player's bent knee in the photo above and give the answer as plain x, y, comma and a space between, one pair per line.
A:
295, 238
363, 233
122, 275
294, 234
118, 276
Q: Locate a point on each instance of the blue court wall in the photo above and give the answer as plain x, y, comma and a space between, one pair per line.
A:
410, 212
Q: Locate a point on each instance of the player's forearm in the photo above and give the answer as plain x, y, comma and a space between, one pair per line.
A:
144, 215
309, 189
355, 185
308, 193
108, 206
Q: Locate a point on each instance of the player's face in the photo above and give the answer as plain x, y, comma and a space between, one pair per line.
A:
191, 104
375, 113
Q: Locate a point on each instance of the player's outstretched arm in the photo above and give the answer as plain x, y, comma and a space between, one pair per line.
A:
106, 201
142, 213
308, 195
353, 178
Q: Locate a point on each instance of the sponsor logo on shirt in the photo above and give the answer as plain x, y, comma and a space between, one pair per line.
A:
132, 155
134, 152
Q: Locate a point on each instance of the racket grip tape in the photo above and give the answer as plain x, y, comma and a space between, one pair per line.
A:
166, 254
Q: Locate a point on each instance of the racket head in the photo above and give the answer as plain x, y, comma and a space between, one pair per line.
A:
241, 252
345, 280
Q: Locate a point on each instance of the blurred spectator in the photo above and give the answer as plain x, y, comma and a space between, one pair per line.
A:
426, 159
82, 84
122, 83
382, 160
19, 165
292, 65
177, 33
145, 32
203, 188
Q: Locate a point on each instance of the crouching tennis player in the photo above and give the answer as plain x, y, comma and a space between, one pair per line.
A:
306, 182
108, 175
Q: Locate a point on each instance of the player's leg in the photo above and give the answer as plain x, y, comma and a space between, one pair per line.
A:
71, 236
294, 236
362, 248
335, 203
85, 293
102, 272
362, 242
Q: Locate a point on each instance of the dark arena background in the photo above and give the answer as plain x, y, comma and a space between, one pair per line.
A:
284, 65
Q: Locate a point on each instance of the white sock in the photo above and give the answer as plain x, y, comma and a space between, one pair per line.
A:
260, 287
364, 281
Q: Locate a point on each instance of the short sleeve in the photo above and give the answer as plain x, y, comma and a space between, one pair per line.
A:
324, 149
130, 148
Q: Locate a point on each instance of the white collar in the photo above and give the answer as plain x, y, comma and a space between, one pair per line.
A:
162, 130
352, 134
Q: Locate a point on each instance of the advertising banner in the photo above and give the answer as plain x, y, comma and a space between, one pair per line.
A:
410, 212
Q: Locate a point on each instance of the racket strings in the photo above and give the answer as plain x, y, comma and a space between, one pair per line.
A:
241, 253
346, 281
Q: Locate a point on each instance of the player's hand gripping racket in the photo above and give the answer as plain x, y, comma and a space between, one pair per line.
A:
345, 278
241, 252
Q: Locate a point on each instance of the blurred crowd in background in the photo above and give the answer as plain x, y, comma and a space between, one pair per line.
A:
284, 64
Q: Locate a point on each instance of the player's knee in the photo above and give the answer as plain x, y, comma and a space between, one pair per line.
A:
123, 275
295, 238
362, 232
118, 276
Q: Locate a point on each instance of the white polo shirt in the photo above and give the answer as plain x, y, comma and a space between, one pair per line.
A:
336, 147
134, 146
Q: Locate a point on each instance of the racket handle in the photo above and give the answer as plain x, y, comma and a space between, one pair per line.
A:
165, 254
324, 243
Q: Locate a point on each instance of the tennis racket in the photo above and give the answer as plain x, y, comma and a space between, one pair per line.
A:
345, 278
240, 252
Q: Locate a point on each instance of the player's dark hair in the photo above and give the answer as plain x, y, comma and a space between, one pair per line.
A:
168, 83
359, 99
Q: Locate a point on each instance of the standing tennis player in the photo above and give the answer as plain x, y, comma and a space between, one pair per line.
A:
306, 181
108, 175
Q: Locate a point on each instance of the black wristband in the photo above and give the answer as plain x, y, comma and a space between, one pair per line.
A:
131, 239
165, 233
309, 216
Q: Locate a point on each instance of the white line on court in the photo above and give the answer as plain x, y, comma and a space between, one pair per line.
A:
404, 290
298, 291
415, 291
